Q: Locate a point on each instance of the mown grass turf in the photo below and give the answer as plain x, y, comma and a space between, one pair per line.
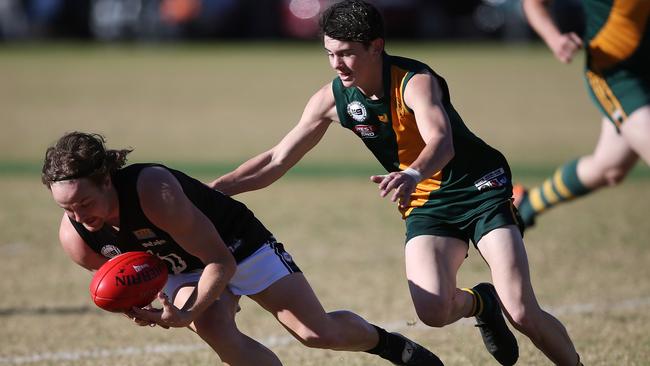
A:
207, 108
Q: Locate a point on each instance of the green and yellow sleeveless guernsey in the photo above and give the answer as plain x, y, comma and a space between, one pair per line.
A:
617, 39
475, 179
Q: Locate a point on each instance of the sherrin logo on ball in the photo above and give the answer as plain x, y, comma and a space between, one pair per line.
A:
128, 280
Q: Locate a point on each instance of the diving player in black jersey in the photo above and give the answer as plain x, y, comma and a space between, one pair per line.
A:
214, 247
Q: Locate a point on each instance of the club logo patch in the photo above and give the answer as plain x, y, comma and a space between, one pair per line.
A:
110, 251
493, 179
357, 111
366, 131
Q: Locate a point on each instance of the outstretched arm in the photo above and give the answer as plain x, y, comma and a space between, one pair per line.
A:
563, 45
424, 96
267, 167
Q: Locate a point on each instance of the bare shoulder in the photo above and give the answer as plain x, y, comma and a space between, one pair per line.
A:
424, 80
423, 86
152, 174
76, 248
161, 196
154, 183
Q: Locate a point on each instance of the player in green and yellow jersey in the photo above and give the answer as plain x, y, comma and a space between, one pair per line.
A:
452, 187
617, 73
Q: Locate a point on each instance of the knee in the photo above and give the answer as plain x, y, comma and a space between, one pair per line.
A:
605, 172
435, 312
615, 175
215, 327
525, 320
610, 173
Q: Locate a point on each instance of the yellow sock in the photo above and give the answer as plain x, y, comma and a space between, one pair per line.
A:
476, 300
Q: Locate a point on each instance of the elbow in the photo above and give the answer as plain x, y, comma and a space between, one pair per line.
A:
275, 169
280, 162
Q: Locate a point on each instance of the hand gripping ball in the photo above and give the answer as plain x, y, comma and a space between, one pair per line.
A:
128, 280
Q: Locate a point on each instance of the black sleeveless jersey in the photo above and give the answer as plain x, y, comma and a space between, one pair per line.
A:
242, 232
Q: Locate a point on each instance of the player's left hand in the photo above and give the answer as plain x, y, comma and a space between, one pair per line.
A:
142, 322
168, 316
402, 184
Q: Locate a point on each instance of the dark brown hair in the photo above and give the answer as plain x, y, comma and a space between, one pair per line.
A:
81, 155
352, 21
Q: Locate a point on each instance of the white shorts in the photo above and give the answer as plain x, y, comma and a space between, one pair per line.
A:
253, 275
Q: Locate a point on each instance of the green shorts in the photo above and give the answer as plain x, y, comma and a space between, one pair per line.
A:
619, 92
472, 228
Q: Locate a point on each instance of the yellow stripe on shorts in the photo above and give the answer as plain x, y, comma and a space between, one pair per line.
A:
606, 98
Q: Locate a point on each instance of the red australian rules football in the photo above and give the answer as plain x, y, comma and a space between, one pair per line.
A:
128, 280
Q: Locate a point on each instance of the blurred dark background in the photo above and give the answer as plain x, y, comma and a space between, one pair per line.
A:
166, 20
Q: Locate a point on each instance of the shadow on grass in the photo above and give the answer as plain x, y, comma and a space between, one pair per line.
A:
56, 310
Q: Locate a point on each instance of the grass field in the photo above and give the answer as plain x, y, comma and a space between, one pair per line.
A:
207, 108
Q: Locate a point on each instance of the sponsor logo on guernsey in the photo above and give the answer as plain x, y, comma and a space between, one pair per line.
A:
366, 131
110, 251
493, 179
357, 111
153, 243
144, 234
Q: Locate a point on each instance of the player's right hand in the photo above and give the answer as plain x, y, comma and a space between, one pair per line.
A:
565, 46
401, 184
